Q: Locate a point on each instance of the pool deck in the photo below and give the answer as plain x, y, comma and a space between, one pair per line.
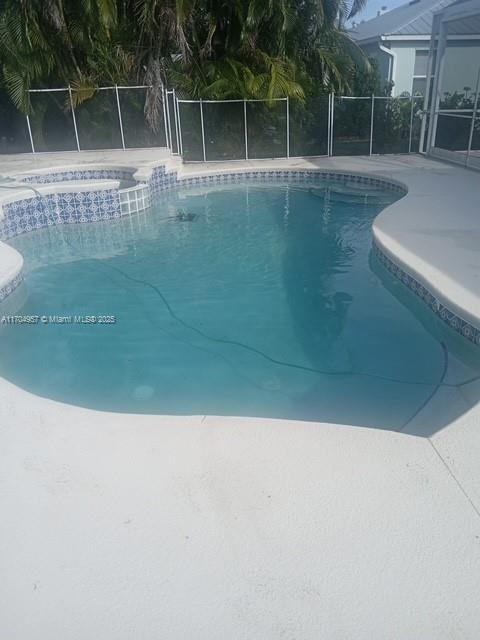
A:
117, 526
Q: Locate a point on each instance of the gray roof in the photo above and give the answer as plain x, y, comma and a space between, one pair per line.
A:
464, 26
411, 19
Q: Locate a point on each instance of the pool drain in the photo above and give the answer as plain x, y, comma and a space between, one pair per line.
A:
183, 216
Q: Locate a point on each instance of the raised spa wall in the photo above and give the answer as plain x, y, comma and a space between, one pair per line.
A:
112, 192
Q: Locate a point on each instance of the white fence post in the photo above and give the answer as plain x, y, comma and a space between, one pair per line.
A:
332, 114
30, 134
245, 126
73, 117
328, 123
203, 131
120, 117
176, 116
169, 121
168, 142
371, 125
288, 127
178, 124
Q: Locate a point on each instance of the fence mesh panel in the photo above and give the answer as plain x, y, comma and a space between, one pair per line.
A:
476, 134
136, 130
97, 122
396, 125
351, 126
267, 129
14, 136
191, 128
224, 130
474, 157
391, 125
309, 127
453, 132
51, 122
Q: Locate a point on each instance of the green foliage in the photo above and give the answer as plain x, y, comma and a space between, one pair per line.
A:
205, 48
367, 81
458, 100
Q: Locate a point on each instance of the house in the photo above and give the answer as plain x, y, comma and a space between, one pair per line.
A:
400, 40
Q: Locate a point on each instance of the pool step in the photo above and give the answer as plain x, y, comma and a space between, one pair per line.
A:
135, 199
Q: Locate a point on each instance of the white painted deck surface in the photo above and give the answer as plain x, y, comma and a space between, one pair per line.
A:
118, 526
11, 263
25, 162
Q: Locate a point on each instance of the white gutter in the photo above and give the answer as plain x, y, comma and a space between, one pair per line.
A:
407, 38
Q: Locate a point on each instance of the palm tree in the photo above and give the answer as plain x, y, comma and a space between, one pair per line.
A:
206, 48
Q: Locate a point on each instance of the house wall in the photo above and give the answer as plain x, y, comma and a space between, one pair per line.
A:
462, 63
405, 56
461, 68
403, 71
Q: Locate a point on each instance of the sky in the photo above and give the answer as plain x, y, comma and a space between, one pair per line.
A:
373, 6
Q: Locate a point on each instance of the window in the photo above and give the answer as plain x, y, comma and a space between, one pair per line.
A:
421, 60
419, 86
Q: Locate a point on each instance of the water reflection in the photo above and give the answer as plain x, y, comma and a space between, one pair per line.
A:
312, 262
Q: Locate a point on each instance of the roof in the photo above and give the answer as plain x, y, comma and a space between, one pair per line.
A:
463, 18
411, 19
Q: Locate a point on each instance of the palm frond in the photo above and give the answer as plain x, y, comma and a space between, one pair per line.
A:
83, 89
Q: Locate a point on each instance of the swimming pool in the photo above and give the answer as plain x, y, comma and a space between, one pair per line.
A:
245, 299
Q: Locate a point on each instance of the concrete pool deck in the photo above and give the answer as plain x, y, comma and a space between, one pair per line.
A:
119, 526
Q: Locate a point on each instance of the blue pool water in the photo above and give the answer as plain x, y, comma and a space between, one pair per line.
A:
250, 300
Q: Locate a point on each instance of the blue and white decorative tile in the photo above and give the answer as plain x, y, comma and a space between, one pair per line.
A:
447, 316
11, 286
85, 174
